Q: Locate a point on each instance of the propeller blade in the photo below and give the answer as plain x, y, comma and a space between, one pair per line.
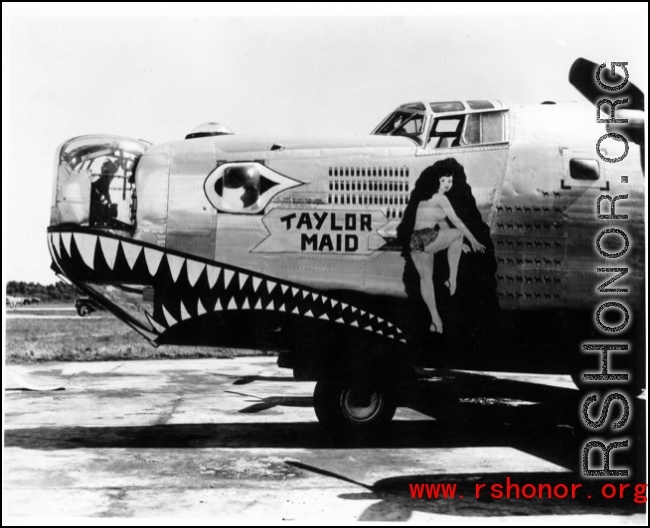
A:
583, 77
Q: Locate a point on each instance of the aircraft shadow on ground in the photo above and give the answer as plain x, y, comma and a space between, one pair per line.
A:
395, 502
560, 493
468, 410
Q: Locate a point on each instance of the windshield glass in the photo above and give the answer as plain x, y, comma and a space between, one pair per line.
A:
402, 124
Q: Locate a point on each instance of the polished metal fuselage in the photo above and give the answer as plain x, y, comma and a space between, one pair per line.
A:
543, 224
320, 254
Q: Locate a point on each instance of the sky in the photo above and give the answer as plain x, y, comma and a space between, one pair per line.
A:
69, 72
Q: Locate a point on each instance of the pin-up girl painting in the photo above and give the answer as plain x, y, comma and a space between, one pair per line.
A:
433, 225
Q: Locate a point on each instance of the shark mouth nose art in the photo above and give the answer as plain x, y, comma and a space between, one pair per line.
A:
179, 288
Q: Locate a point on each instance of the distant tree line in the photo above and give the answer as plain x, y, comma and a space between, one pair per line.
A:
59, 292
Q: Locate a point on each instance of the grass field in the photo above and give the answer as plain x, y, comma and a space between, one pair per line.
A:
42, 311
87, 339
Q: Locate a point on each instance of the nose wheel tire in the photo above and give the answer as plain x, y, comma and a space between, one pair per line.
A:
362, 407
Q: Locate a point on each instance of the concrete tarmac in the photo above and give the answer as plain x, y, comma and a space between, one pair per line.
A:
236, 440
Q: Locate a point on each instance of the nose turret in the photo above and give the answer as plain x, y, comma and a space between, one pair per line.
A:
94, 182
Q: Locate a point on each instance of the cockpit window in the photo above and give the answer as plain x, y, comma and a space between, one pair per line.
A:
467, 130
414, 106
480, 105
447, 126
472, 132
484, 128
492, 127
402, 124
445, 132
449, 106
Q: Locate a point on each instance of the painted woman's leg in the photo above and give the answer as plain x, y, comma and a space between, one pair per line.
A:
424, 264
453, 257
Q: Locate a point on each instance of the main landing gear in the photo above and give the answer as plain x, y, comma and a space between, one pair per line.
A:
341, 407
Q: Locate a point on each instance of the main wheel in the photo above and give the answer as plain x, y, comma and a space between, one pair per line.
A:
363, 407
83, 310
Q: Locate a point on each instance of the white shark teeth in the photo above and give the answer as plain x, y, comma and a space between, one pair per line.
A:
152, 257
170, 320
155, 325
109, 250
227, 277
66, 237
151, 336
131, 252
213, 275
194, 270
175, 265
184, 313
86, 245
56, 242
256, 283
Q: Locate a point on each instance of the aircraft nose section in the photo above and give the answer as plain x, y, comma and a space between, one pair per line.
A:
94, 182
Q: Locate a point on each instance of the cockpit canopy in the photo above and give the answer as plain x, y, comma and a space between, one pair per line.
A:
448, 124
